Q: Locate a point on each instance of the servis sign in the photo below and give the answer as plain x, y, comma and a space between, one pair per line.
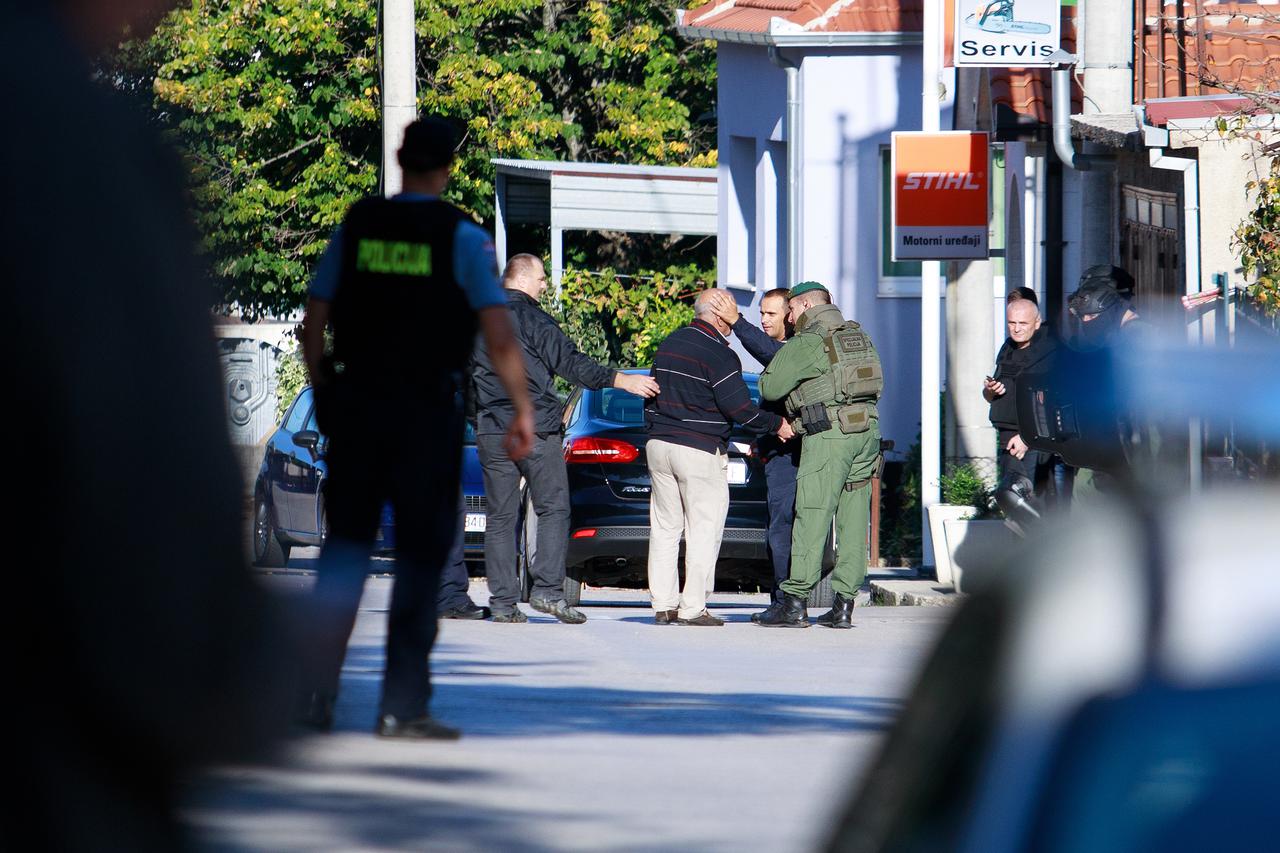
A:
1006, 33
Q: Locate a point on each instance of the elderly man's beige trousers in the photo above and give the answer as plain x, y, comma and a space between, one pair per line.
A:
690, 496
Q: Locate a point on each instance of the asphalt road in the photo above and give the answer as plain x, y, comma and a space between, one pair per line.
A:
613, 735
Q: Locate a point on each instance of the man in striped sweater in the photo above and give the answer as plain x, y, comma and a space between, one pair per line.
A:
702, 393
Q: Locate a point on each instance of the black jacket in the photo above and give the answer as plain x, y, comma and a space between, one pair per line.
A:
1010, 362
763, 348
702, 391
548, 353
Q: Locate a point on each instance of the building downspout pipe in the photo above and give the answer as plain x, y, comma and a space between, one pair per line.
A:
794, 136
1062, 144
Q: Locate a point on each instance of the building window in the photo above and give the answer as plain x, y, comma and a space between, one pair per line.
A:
897, 278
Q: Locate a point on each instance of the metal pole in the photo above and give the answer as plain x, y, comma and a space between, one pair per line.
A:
930, 295
399, 86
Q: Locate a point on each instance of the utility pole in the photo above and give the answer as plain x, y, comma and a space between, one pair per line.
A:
399, 86
930, 293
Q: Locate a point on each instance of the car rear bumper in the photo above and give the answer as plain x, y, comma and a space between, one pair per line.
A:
632, 543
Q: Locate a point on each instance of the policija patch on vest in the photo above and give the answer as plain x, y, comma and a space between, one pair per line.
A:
851, 341
393, 258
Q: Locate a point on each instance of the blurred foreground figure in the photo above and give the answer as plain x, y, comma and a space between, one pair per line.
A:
146, 651
395, 265
1112, 685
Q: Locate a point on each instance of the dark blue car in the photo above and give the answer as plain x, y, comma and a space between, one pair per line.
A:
609, 488
288, 506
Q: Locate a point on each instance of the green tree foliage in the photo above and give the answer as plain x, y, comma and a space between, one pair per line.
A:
276, 105
621, 321
1258, 241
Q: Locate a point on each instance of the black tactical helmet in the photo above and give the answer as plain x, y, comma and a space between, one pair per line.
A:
1101, 287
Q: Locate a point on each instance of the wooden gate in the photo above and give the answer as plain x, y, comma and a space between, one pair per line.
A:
1152, 250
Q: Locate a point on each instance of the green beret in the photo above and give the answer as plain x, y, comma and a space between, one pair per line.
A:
807, 287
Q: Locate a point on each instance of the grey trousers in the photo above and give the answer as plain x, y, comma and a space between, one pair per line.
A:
548, 482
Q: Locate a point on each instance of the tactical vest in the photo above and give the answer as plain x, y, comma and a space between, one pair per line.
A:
399, 317
852, 383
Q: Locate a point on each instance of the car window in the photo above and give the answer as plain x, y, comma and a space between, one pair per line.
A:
614, 404
574, 414
469, 434
753, 386
311, 421
298, 413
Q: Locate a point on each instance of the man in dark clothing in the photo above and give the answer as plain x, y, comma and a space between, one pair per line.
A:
1029, 348
139, 664
548, 353
703, 393
781, 458
393, 263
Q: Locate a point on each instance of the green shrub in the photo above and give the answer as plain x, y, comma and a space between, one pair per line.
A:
963, 486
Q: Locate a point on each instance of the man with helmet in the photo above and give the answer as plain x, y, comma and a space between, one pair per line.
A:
830, 376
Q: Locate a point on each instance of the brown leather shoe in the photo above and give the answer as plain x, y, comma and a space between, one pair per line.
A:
666, 617
704, 619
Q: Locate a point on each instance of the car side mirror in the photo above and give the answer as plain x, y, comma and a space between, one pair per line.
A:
309, 439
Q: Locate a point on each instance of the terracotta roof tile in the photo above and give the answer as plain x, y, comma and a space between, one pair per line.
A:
1027, 91
819, 16
1220, 46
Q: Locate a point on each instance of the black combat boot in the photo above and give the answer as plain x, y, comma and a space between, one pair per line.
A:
840, 615
791, 614
771, 611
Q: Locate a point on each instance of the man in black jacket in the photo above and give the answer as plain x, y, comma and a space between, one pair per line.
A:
548, 353
1027, 349
703, 393
781, 458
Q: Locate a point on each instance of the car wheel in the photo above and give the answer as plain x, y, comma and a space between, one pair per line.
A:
268, 551
526, 547
822, 595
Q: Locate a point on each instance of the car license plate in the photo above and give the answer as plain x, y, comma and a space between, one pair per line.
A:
737, 472
474, 522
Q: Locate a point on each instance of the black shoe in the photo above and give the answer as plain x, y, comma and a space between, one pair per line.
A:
419, 728
559, 609
470, 610
514, 616
771, 611
315, 711
840, 615
791, 614
666, 617
703, 619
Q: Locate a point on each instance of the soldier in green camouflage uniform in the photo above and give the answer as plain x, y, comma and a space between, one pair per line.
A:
830, 376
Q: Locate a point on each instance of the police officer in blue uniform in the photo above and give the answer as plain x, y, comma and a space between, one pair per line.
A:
394, 265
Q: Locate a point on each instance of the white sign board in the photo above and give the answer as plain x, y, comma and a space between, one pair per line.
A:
1007, 33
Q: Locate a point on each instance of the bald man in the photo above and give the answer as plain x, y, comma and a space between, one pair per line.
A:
1027, 349
548, 353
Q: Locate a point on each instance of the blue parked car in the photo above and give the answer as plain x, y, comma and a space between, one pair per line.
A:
288, 506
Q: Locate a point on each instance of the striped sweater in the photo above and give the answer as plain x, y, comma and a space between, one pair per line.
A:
702, 391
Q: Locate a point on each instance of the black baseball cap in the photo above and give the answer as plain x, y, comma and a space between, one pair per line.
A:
430, 143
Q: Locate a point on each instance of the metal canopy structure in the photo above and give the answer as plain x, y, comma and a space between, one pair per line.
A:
601, 197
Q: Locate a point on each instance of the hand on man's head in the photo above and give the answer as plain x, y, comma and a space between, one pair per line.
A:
725, 306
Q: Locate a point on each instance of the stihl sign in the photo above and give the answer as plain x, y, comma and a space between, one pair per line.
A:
1006, 33
941, 181
940, 196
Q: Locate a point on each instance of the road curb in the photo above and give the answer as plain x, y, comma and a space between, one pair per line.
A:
913, 593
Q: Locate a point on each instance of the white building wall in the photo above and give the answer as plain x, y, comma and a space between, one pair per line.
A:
852, 100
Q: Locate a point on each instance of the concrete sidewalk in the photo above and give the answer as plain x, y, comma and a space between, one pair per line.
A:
613, 735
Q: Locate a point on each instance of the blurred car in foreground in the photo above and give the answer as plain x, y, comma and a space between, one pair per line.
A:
604, 446
1114, 687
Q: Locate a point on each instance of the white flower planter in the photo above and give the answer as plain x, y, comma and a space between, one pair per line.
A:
939, 513
984, 542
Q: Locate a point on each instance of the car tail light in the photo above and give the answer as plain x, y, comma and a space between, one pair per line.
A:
584, 533
589, 449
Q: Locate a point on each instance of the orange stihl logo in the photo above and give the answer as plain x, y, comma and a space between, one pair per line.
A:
942, 181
